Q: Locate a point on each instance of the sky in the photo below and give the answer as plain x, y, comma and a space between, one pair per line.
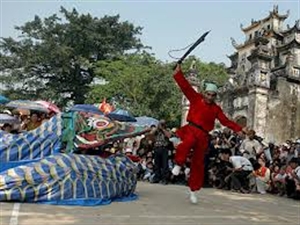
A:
166, 24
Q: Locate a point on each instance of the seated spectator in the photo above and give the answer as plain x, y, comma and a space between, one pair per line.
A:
242, 168
218, 173
262, 177
149, 172
293, 180
33, 123
279, 180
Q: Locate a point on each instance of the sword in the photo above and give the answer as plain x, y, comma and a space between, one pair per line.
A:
201, 39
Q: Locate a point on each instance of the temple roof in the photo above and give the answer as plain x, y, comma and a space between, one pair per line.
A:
295, 28
287, 45
233, 56
272, 14
240, 46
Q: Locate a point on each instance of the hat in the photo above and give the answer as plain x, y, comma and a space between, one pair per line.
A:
128, 150
211, 87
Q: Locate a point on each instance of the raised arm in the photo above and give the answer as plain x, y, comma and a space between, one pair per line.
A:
185, 86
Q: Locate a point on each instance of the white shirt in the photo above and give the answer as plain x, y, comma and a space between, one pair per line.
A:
297, 171
240, 161
251, 146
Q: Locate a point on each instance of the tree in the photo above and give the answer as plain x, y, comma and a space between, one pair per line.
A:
208, 71
145, 86
140, 84
54, 57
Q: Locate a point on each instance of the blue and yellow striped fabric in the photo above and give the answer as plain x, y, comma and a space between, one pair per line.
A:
17, 149
70, 179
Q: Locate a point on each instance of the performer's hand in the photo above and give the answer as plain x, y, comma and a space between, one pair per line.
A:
177, 69
245, 130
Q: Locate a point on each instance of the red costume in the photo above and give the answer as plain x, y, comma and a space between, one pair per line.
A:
201, 118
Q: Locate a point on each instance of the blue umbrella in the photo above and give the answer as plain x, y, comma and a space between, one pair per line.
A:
146, 121
86, 108
5, 118
121, 115
3, 99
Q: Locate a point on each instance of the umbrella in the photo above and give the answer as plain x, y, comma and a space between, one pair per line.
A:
50, 106
26, 104
121, 115
86, 108
5, 118
146, 121
3, 99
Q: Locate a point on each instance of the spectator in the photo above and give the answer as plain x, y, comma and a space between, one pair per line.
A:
161, 153
242, 167
250, 145
279, 180
34, 122
262, 176
293, 180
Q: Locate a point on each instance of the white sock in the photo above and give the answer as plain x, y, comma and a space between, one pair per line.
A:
193, 197
176, 170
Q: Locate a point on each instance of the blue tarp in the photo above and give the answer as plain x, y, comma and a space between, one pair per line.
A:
70, 179
19, 149
32, 169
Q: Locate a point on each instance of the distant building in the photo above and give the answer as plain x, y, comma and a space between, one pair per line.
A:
263, 91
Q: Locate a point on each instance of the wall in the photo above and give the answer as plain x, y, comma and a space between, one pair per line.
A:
279, 122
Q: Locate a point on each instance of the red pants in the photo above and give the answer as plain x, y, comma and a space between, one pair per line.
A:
196, 139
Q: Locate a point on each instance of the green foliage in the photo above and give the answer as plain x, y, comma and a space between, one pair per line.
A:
140, 84
54, 57
58, 58
207, 71
145, 86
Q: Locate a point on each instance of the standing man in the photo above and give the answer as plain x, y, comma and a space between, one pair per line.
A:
250, 146
195, 135
161, 153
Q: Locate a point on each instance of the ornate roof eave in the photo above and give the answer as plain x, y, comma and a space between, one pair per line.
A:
282, 67
259, 55
232, 56
296, 28
253, 24
272, 14
278, 34
240, 46
294, 42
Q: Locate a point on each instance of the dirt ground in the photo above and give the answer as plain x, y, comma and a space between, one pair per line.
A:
163, 205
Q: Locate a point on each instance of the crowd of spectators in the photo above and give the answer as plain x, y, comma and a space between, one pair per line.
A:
245, 165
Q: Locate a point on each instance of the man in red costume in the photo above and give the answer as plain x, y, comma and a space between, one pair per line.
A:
195, 135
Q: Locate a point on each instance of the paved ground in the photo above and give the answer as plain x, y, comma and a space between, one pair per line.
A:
163, 205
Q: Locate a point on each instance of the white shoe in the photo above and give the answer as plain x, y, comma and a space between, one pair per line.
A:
193, 197
176, 170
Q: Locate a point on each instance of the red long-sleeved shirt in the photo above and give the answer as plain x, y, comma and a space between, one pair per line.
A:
202, 113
